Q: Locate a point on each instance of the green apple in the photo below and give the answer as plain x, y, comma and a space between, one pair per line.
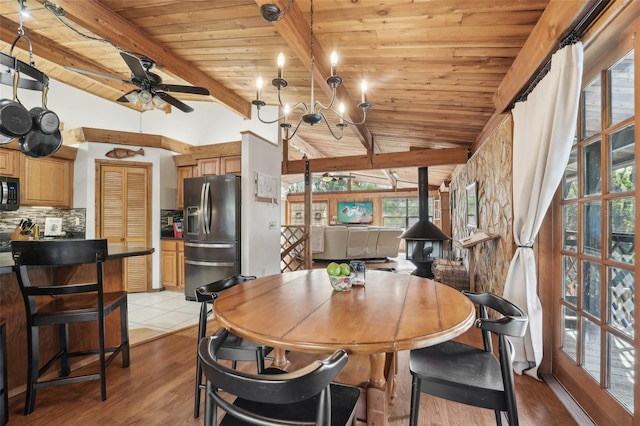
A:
345, 269
333, 269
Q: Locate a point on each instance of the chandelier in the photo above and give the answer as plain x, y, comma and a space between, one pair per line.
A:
314, 112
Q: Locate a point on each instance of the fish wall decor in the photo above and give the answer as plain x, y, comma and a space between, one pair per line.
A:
124, 153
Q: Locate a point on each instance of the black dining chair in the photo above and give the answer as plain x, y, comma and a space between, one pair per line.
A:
234, 348
304, 397
469, 375
60, 303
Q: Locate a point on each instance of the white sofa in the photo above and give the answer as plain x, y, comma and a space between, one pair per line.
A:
354, 242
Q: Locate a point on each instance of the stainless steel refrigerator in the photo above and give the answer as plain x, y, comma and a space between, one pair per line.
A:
211, 230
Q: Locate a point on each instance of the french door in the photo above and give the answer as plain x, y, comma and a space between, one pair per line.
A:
594, 335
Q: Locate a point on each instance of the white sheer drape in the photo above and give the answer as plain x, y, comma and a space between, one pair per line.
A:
543, 132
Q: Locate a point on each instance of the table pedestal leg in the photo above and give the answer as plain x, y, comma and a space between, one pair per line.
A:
378, 388
279, 358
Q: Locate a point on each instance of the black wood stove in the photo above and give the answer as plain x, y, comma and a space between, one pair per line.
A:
424, 241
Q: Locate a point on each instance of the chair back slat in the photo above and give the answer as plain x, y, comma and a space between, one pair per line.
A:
58, 252
208, 292
514, 322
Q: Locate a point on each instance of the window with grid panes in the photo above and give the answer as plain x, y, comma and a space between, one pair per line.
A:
597, 304
400, 212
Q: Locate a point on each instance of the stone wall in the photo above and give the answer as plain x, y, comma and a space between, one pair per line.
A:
491, 168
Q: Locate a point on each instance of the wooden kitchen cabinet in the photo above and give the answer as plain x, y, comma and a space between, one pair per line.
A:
231, 165
9, 163
209, 166
46, 182
180, 247
184, 172
172, 260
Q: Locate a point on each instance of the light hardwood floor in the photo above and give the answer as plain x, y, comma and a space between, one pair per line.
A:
158, 389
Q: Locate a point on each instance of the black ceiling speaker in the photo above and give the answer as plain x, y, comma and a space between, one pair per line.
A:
270, 12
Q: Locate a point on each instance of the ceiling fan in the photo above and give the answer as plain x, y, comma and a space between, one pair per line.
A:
327, 177
151, 90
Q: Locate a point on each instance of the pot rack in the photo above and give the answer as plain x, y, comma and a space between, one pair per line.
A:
40, 80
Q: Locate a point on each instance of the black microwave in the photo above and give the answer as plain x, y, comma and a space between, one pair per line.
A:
9, 193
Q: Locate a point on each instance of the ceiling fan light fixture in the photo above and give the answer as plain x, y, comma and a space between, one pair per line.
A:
160, 104
133, 97
314, 112
145, 97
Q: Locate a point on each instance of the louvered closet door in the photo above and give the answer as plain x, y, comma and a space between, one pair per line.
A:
125, 204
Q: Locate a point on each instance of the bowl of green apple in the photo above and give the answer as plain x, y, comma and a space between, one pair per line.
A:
340, 276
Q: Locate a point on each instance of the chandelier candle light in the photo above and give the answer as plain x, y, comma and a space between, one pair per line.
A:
315, 111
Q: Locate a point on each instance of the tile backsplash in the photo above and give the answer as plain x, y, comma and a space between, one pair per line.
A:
167, 217
73, 220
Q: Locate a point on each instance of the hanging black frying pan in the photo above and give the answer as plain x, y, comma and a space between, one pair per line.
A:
15, 120
45, 138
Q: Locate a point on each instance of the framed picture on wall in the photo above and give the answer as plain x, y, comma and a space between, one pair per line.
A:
472, 205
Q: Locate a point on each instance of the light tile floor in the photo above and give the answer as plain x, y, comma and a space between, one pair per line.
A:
154, 314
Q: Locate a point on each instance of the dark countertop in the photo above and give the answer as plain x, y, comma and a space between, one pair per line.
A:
172, 238
116, 251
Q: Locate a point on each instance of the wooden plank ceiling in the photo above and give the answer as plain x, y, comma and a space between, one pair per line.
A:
432, 66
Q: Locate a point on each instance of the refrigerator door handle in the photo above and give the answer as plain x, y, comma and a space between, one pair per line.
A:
203, 263
207, 212
210, 245
201, 219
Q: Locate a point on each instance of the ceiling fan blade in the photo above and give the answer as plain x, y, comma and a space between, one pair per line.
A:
123, 98
135, 65
183, 89
173, 101
96, 74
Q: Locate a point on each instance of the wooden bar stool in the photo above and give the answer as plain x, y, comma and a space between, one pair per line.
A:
4, 385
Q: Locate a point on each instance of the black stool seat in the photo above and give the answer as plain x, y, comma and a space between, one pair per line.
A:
454, 368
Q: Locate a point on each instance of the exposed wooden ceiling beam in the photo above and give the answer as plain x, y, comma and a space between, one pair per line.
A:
55, 53
94, 16
417, 158
301, 145
557, 20
88, 134
295, 31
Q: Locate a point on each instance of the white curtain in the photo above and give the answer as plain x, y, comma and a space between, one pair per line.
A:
543, 132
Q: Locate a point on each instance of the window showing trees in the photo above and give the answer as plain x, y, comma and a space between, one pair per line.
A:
335, 185
598, 231
401, 212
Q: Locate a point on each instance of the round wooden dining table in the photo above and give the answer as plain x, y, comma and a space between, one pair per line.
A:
392, 312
